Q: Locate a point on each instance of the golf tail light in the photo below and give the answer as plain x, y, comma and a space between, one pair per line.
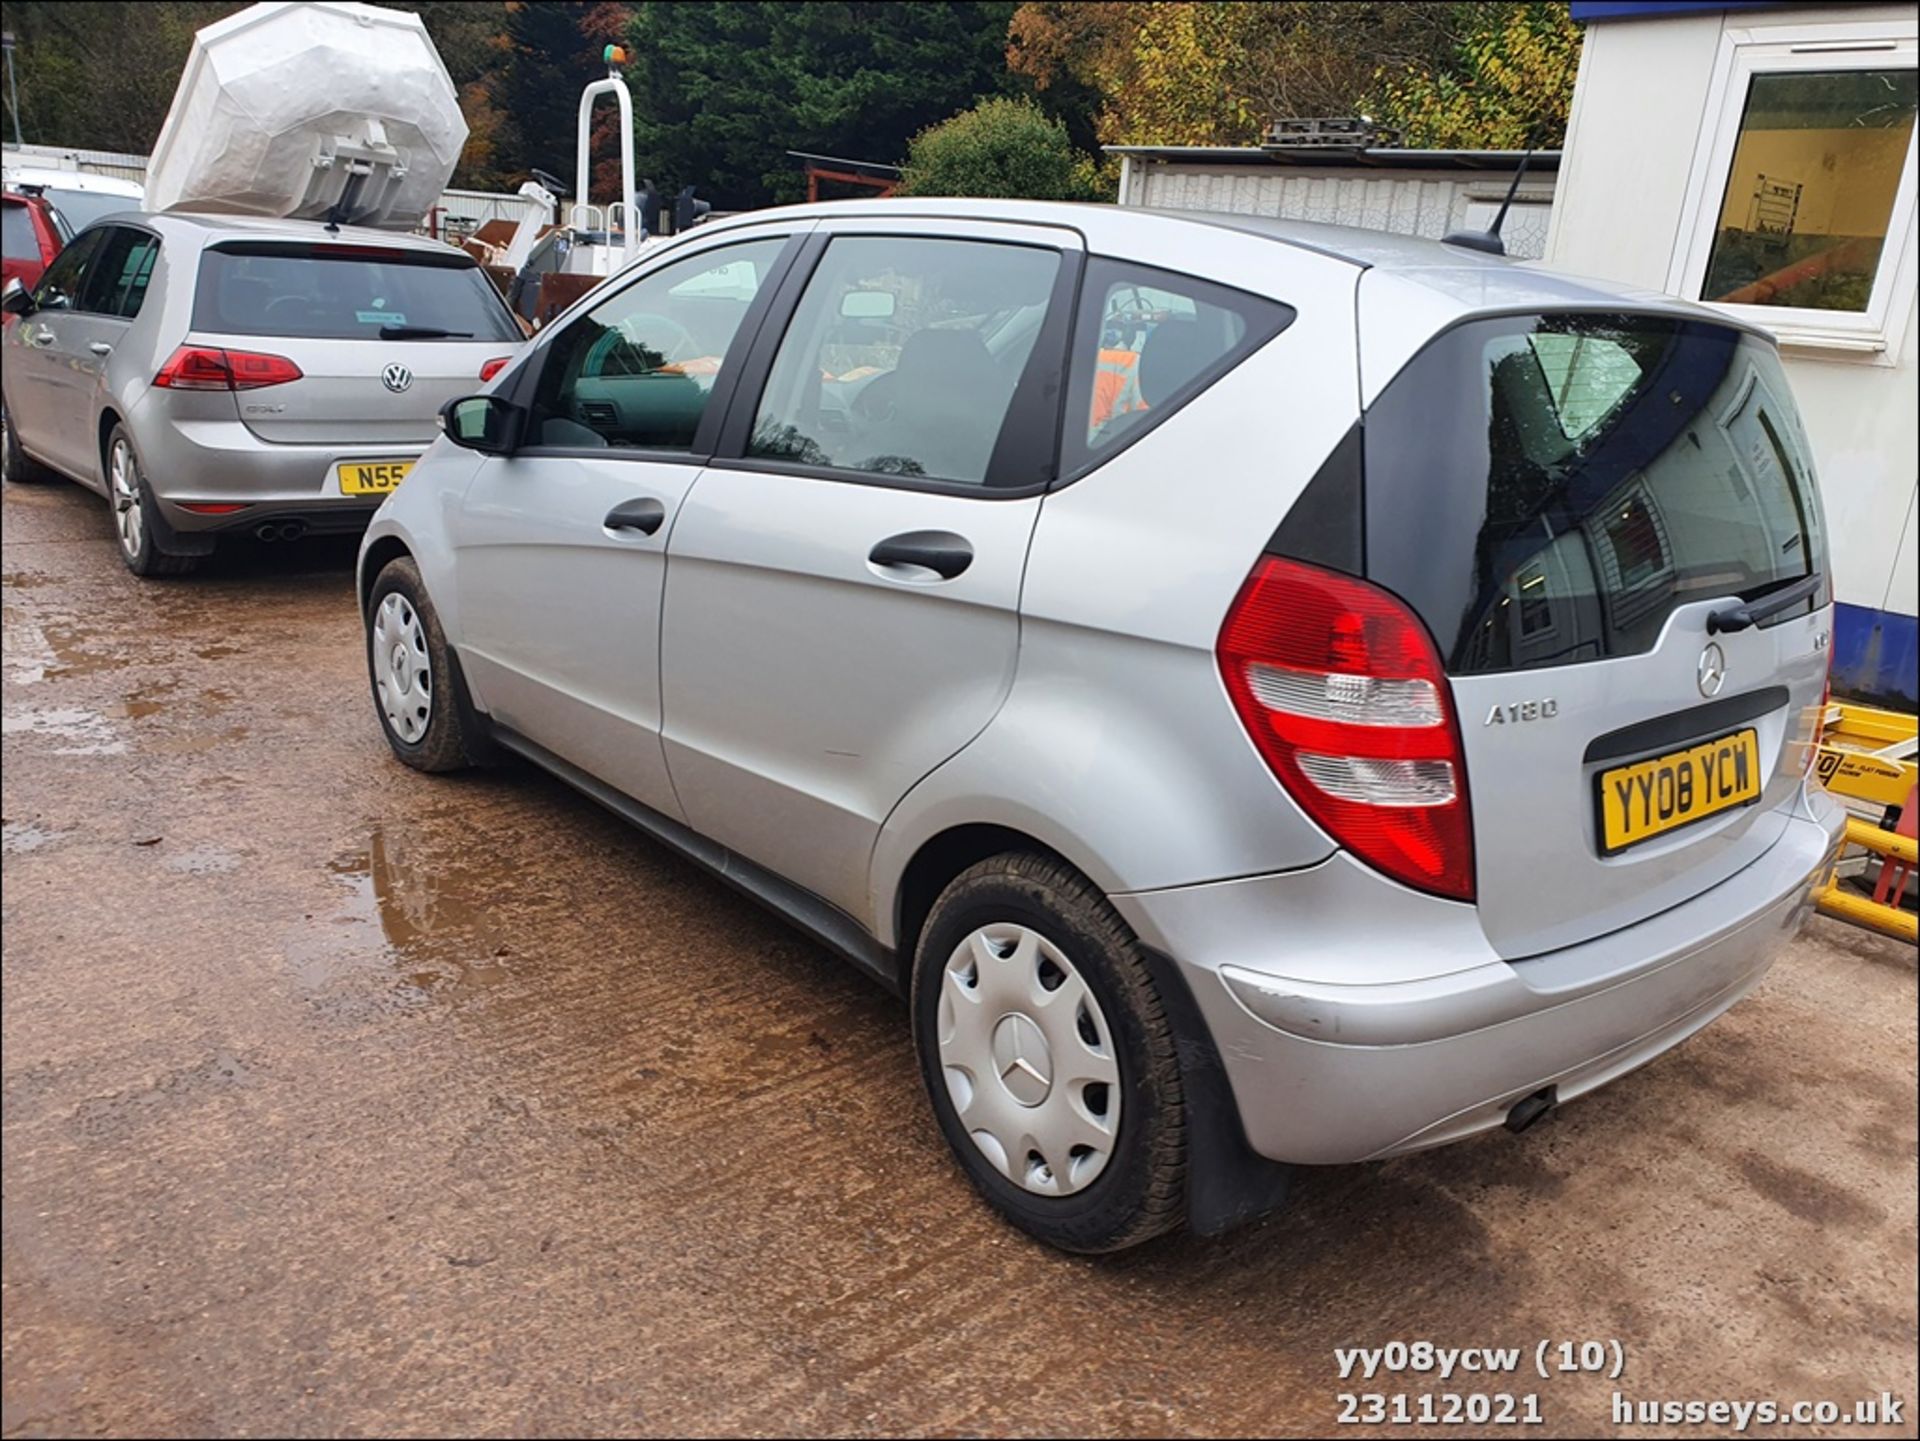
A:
202, 367
1341, 691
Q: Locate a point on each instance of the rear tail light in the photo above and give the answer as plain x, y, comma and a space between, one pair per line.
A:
202, 367
1342, 693
495, 366
212, 507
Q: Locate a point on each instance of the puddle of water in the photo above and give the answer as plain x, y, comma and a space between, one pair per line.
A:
25, 579
37, 652
195, 744
80, 732
20, 837
428, 924
217, 651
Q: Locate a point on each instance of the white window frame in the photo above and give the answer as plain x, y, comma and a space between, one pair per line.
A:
1873, 335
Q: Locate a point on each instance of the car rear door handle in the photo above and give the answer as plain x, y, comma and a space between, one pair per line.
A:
99, 347
644, 514
42, 336
939, 551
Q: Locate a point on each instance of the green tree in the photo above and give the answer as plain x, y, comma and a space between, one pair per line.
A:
1509, 82
723, 90
1001, 147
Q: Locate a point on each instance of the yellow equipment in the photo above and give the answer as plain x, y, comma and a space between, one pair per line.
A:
1868, 758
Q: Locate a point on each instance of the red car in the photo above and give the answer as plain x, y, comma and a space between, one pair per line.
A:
33, 233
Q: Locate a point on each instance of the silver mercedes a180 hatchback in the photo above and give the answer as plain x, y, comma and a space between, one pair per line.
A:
1267, 694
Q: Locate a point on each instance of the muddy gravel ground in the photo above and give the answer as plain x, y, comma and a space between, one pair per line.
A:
340, 1099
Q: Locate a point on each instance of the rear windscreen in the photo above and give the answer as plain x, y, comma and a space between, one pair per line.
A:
16, 229
316, 292
1545, 490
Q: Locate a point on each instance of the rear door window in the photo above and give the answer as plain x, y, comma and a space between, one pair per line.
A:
904, 357
346, 292
1146, 343
117, 284
1547, 490
637, 369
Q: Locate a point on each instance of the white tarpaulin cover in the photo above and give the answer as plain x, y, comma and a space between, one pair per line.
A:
285, 106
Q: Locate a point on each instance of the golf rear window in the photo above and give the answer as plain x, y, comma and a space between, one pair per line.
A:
346, 292
1546, 490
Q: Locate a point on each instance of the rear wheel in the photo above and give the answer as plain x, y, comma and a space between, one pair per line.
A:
135, 519
1048, 1057
16, 465
414, 686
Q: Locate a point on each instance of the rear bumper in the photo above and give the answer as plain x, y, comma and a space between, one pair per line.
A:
1326, 1072
221, 462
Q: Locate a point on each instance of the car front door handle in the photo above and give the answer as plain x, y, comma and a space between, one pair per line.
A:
99, 347
940, 551
644, 514
42, 337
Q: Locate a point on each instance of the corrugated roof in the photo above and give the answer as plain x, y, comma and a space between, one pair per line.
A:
1372, 158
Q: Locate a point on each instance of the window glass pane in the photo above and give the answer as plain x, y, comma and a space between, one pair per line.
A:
904, 354
346, 292
119, 281
1600, 471
1143, 341
60, 286
1810, 194
637, 369
16, 228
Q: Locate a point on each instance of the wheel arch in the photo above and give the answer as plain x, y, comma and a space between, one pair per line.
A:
933, 866
381, 552
103, 433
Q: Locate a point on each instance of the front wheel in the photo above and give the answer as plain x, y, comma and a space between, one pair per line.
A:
135, 517
414, 690
1048, 1057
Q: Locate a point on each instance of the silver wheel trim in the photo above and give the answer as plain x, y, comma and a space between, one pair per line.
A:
1029, 1060
402, 675
123, 477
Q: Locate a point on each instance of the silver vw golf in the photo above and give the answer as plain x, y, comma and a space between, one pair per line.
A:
1266, 694
213, 375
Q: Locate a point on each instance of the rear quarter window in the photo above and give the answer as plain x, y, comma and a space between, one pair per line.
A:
318, 292
1146, 342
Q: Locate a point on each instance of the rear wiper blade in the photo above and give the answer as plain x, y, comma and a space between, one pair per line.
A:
422, 332
1739, 617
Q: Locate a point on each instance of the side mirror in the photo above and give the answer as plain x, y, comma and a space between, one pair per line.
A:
17, 299
485, 423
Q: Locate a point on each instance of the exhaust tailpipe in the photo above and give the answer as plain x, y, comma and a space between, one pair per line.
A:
1529, 1109
273, 530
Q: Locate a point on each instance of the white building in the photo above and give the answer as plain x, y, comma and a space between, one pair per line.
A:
1760, 157
1408, 192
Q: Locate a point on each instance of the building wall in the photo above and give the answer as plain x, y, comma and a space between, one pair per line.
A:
1630, 160
1404, 202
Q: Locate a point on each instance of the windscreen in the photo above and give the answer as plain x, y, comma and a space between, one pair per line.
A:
319, 292
80, 208
1546, 490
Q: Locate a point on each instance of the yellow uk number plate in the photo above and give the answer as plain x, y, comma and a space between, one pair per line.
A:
1651, 797
372, 477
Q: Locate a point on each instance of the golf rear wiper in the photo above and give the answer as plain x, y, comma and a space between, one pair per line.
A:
422, 332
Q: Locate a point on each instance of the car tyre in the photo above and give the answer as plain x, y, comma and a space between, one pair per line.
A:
16, 466
1048, 933
423, 711
136, 520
